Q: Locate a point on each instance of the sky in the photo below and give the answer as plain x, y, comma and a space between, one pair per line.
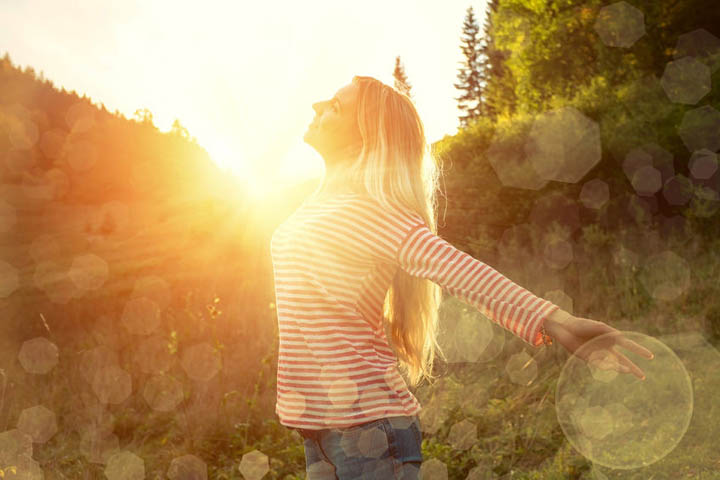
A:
241, 76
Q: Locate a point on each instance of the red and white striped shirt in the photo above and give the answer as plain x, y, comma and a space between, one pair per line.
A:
333, 261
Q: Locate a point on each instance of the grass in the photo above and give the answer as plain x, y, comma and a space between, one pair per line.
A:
232, 414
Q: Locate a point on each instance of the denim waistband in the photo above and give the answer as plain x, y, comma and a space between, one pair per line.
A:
313, 434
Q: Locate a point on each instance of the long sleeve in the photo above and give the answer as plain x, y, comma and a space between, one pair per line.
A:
426, 255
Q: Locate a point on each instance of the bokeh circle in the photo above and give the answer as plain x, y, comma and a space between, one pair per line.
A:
616, 419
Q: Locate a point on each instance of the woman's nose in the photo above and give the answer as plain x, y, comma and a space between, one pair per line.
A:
318, 107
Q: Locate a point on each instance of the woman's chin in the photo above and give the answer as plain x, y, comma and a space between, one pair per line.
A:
311, 135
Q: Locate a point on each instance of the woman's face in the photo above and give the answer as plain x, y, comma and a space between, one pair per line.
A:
334, 129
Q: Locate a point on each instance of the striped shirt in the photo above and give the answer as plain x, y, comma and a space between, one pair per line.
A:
333, 260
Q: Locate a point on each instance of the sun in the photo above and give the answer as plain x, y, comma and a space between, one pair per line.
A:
234, 163
263, 180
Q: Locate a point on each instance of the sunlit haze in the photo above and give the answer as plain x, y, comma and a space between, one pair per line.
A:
241, 77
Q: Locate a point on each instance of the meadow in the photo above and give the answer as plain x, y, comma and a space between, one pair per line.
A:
138, 331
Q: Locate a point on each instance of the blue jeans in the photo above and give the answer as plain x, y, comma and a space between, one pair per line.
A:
384, 449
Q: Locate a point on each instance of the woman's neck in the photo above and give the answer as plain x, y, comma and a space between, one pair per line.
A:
337, 168
335, 182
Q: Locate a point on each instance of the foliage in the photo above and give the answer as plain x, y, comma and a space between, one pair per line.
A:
498, 87
469, 75
401, 80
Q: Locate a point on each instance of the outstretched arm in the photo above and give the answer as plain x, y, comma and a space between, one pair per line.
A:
426, 255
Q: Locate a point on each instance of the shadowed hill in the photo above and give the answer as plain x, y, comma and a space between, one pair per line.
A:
81, 184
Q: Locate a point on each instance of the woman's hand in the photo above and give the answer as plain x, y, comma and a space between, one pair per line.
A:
572, 332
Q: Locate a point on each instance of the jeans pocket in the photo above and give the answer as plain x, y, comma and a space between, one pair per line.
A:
406, 438
415, 427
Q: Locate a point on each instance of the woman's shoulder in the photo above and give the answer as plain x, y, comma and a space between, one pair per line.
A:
389, 213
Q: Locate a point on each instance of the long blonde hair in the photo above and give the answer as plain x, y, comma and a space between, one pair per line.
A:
396, 165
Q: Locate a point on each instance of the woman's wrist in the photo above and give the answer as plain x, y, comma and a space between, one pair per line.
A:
554, 321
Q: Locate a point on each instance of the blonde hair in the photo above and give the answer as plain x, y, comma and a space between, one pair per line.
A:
396, 166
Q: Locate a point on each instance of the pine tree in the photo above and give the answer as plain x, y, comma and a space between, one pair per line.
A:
401, 80
498, 88
469, 75
179, 130
144, 116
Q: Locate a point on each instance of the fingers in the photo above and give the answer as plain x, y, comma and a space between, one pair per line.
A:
634, 347
617, 337
608, 359
626, 362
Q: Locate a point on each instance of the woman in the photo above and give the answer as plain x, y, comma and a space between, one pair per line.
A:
359, 272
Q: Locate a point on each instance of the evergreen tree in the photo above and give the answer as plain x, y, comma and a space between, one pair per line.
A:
497, 91
179, 129
469, 74
144, 116
401, 80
